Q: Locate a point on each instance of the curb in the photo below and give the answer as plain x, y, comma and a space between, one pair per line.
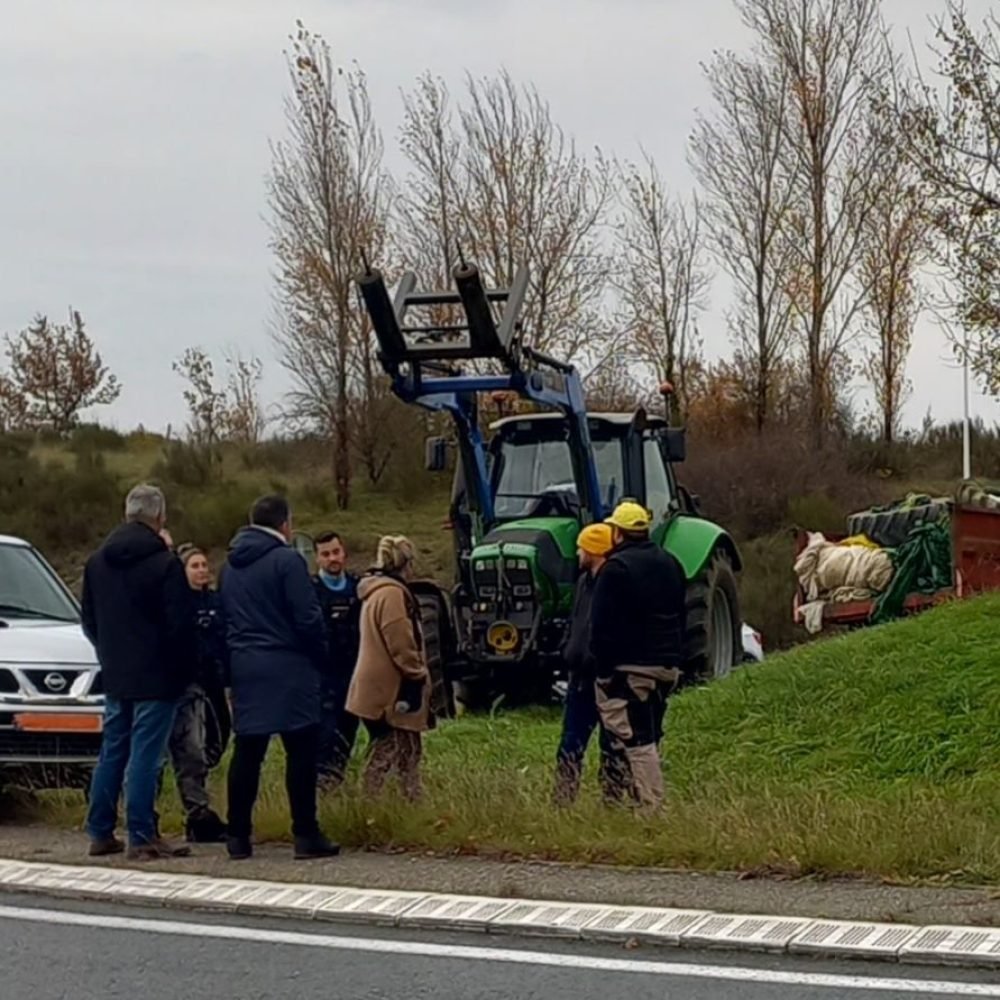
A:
973, 947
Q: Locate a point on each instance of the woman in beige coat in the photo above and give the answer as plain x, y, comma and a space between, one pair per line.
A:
390, 690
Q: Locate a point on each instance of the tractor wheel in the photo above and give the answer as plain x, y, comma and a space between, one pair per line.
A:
436, 624
714, 627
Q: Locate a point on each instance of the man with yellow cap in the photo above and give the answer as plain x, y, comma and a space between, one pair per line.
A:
638, 642
580, 718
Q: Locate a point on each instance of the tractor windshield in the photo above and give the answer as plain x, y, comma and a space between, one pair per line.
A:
530, 470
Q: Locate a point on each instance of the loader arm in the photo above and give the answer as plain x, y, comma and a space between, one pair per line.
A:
417, 359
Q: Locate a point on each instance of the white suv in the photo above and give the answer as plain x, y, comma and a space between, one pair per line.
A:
51, 700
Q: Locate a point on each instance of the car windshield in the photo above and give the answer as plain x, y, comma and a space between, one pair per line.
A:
531, 467
29, 589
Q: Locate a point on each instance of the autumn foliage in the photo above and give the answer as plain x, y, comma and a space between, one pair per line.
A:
55, 372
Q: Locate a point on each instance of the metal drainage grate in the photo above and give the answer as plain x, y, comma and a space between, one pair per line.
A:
644, 924
549, 919
954, 944
369, 907
753, 932
468, 912
846, 937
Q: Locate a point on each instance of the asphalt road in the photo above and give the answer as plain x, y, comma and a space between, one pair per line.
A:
67, 951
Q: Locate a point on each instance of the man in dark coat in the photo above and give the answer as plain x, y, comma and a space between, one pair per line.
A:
137, 614
638, 640
277, 651
337, 590
580, 716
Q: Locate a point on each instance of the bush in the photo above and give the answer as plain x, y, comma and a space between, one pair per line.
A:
64, 511
95, 438
767, 589
210, 517
186, 465
745, 484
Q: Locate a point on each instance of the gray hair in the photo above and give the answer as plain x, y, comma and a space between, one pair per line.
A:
145, 503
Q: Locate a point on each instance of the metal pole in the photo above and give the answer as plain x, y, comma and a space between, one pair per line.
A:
966, 444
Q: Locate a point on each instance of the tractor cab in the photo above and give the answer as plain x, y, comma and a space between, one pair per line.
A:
533, 473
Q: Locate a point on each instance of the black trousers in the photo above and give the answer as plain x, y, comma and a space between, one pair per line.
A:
338, 732
300, 780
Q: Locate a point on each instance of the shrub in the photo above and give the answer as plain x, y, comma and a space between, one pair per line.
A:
186, 465
211, 517
767, 589
62, 510
745, 484
95, 438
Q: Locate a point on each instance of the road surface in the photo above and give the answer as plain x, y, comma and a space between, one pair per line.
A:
55, 950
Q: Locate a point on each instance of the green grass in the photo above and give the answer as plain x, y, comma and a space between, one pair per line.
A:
877, 753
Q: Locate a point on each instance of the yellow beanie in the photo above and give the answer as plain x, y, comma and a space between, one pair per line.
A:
595, 539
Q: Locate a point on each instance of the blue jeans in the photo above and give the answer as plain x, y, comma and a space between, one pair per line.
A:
580, 719
132, 749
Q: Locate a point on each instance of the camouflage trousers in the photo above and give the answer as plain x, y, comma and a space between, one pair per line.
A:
631, 704
187, 750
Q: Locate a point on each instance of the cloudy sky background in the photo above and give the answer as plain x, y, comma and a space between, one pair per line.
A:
134, 146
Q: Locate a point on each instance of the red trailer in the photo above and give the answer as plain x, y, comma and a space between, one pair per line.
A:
975, 547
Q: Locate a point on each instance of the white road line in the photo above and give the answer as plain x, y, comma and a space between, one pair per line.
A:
678, 970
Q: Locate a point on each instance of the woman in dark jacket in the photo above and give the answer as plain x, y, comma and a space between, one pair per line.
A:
201, 726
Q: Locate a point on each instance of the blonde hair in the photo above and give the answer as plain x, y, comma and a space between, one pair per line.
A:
394, 553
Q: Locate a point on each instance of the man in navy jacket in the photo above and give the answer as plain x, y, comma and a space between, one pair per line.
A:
277, 651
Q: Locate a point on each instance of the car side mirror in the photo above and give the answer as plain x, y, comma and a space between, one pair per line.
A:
436, 454
303, 544
675, 444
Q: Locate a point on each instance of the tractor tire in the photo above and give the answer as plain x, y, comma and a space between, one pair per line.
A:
890, 528
714, 631
435, 621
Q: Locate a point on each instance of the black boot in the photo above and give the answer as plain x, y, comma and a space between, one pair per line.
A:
239, 848
206, 828
314, 847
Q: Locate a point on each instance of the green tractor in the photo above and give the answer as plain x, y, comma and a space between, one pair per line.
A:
522, 493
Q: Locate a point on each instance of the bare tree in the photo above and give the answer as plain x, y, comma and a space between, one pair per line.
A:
57, 372
206, 402
662, 279
830, 51
500, 178
614, 388
13, 406
741, 159
894, 246
329, 199
228, 412
953, 137
244, 420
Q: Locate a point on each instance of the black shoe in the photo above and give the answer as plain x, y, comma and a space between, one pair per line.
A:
239, 848
206, 828
312, 848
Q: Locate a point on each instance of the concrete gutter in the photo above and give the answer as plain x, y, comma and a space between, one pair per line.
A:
625, 925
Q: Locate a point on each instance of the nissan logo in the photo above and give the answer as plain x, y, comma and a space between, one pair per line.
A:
54, 682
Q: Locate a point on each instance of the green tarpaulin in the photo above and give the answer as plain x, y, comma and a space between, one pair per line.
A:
923, 566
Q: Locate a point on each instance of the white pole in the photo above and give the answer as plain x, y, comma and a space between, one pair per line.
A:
966, 444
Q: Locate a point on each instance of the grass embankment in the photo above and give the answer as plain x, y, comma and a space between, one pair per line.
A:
875, 753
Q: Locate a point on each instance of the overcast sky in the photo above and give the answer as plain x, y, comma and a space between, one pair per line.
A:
134, 145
